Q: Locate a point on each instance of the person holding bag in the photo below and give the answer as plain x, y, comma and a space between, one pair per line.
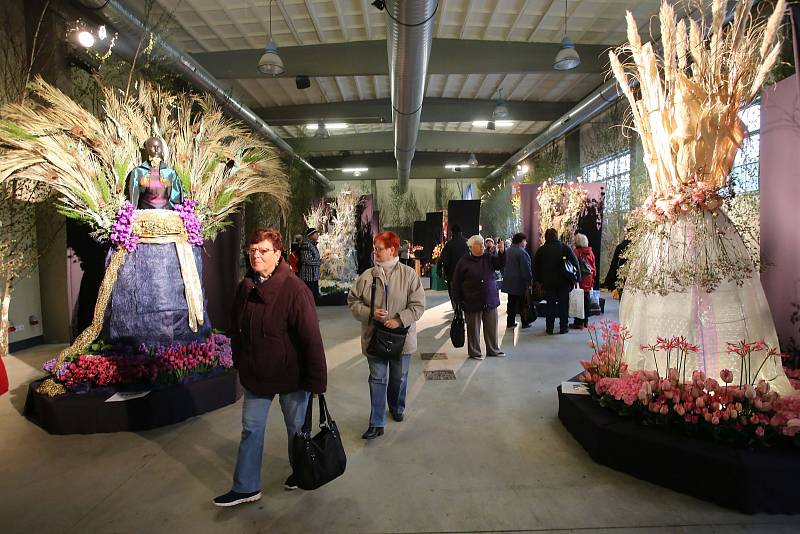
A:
387, 299
556, 268
588, 271
277, 349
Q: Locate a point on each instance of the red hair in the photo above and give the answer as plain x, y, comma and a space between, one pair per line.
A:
388, 240
267, 234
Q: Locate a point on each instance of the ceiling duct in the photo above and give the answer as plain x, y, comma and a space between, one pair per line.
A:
183, 64
409, 36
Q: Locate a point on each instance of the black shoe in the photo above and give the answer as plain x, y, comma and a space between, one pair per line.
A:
396, 416
511, 325
564, 331
232, 498
527, 325
549, 332
372, 432
291, 483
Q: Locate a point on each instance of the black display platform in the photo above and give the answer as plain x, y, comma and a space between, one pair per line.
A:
749, 480
332, 299
89, 413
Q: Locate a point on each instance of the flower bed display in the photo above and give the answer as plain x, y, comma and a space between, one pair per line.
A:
162, 365
743, 410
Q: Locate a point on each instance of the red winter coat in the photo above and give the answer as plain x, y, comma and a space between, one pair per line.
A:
277, 345
587, 282
3, 378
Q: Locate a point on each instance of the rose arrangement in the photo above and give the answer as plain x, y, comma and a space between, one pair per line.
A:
745, 413
162, 364
669, 203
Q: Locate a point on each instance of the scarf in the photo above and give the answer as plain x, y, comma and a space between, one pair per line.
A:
388, 264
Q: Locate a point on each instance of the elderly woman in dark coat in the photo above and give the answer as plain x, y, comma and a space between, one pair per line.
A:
277, 348
517, 278
475, 290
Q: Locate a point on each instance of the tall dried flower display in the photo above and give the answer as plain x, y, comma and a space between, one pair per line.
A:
86, 160
561, 206
337, 240
689, 271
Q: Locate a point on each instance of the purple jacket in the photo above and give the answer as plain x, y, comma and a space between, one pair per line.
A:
474, 284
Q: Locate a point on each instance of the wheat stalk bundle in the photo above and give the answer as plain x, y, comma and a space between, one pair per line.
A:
689, 98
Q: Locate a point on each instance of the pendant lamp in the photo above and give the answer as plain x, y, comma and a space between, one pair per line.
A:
567, 57
271, 62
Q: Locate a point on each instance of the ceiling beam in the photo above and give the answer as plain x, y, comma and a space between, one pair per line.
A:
364, 58
461, 142
433, 110
418, 172
386, 159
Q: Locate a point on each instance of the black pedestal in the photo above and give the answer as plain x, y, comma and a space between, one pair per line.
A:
332, 299
748, 480
89, 413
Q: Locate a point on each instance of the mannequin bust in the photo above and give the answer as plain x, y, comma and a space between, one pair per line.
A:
152, 184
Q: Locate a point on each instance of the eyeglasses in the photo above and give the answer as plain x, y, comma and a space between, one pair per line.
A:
260, 251
379, 249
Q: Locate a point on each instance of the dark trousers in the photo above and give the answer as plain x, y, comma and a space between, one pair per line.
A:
515, 308
314, 287
557, 305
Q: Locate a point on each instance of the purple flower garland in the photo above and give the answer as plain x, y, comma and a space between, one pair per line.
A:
190, 221
122, 230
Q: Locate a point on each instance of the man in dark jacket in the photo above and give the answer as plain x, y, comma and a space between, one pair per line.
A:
517, 278
277, 348
452, 251
548, 266
310, 261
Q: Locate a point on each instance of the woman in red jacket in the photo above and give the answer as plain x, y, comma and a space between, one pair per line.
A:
277, 348
585, 256
3, 377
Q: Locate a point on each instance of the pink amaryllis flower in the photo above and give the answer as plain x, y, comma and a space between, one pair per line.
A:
726, 375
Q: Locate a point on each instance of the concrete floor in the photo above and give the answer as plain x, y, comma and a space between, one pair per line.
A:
483, 453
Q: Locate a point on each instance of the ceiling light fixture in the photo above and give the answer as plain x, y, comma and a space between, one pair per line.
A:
567, 57
271, 62
500, 110
472, 160
321, 132
490, 125
336, 125
85, 38
380, 5
355, 169
499, 124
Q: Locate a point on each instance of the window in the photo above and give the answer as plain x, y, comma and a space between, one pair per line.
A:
615, 171
745, 171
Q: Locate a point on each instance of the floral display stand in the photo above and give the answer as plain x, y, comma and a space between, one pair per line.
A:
437, 282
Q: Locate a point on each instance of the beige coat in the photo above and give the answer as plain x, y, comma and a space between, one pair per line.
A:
406, 299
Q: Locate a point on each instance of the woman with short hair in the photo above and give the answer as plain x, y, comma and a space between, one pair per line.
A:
588, 272
277, 348
475, 290
399, 302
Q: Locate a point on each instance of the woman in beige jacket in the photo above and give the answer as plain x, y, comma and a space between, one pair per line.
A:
399, 302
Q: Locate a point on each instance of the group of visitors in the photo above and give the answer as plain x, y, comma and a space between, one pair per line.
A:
277, 343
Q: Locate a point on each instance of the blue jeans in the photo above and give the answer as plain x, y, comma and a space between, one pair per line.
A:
388, 380
247, 476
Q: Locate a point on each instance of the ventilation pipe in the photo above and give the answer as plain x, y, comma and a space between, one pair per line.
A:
597, 101
409, 36
183, 64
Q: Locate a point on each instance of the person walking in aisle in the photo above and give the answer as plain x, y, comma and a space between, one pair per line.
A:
452, 251
277, 348
399, 302
475, 290
517, 278
588, 268
310, 261
548, 267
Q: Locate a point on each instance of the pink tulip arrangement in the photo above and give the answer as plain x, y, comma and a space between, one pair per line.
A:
608, 343
162, 364
748, 412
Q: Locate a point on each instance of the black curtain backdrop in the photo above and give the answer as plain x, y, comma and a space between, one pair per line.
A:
222, 259
91, 258
435, 222
466, 214
591, 224
419, 233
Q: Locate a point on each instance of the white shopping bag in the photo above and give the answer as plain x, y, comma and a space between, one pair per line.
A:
576, 303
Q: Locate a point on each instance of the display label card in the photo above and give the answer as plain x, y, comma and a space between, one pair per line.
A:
574, 388
122, 396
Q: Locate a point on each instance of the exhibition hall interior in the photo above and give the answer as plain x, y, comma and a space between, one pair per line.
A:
399, 266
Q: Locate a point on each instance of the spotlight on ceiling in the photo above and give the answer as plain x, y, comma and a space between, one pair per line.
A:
302, 82
472, 160
380, 5
271, 62
498, 124
567, 57
85, 38
490, 125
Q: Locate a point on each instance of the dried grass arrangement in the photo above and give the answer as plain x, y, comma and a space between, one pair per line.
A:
85, 159
686, 112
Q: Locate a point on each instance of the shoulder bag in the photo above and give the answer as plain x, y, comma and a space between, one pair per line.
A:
457, 328
319, 459
385, 343
569, 270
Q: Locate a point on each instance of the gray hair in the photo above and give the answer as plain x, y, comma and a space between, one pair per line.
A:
581, 241
477, 238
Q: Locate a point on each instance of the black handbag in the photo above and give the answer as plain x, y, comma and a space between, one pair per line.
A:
319, 459
385, 343
570, 272
457, 328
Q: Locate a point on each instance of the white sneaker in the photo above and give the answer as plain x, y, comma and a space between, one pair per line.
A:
478, 357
